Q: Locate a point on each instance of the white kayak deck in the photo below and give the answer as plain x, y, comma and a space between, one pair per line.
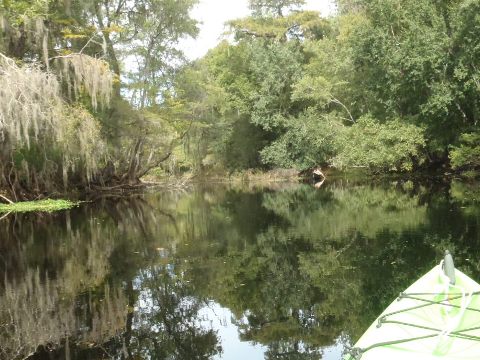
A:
413, 315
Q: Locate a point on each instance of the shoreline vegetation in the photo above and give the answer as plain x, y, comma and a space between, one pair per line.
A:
290, 89
252, 177
280, 175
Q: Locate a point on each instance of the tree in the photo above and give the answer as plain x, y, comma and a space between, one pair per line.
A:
50, 136
144, 33
256, 77
70, 40
391, 146
276, 8
410, 74
467, 155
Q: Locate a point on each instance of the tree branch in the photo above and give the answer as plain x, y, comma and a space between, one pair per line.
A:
5, 216
6, 199
336, 101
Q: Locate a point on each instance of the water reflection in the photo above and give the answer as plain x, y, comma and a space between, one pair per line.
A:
297, 272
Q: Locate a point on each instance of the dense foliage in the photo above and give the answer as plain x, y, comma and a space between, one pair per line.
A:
385, 85
95, 94
67, 69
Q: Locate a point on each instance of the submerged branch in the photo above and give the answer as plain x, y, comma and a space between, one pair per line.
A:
6, 199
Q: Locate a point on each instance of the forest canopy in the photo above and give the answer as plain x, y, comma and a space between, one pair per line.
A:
386, 85
80, 85
96, 94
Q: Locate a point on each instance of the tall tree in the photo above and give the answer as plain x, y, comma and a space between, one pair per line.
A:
70, 40
276, 8
144, 36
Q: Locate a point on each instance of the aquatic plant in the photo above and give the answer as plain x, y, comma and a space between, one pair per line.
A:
48, 205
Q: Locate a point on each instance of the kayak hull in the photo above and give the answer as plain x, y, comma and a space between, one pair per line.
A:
438, 328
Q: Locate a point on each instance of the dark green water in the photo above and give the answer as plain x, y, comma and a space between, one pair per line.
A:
286, 272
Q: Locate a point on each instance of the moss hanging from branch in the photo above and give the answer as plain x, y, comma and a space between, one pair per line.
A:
30, 102
82, 72
81, 142
31, 32
43, 137
85, 73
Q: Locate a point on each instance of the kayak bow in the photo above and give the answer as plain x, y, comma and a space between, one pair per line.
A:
438, 317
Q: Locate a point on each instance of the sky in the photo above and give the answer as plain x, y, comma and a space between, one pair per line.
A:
212, 14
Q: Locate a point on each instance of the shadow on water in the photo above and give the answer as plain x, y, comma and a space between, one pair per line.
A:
298, 271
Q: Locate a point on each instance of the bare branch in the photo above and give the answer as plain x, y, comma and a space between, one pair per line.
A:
5, 216
6, 199
336, 101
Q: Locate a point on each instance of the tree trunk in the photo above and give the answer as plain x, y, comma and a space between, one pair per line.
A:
112, 56
16, 46
131, 176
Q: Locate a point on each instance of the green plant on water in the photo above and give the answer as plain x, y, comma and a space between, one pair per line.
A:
47, 205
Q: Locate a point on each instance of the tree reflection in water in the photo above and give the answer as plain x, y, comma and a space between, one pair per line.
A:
301, 269
82, 284
166, 323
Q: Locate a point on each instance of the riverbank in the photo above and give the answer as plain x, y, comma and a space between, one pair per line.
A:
244, 176
253, 178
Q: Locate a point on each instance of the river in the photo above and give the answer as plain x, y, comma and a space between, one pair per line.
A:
284, 271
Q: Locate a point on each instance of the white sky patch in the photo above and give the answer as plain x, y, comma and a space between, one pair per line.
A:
212, 15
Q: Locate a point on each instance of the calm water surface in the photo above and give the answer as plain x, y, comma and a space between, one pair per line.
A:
216, 272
